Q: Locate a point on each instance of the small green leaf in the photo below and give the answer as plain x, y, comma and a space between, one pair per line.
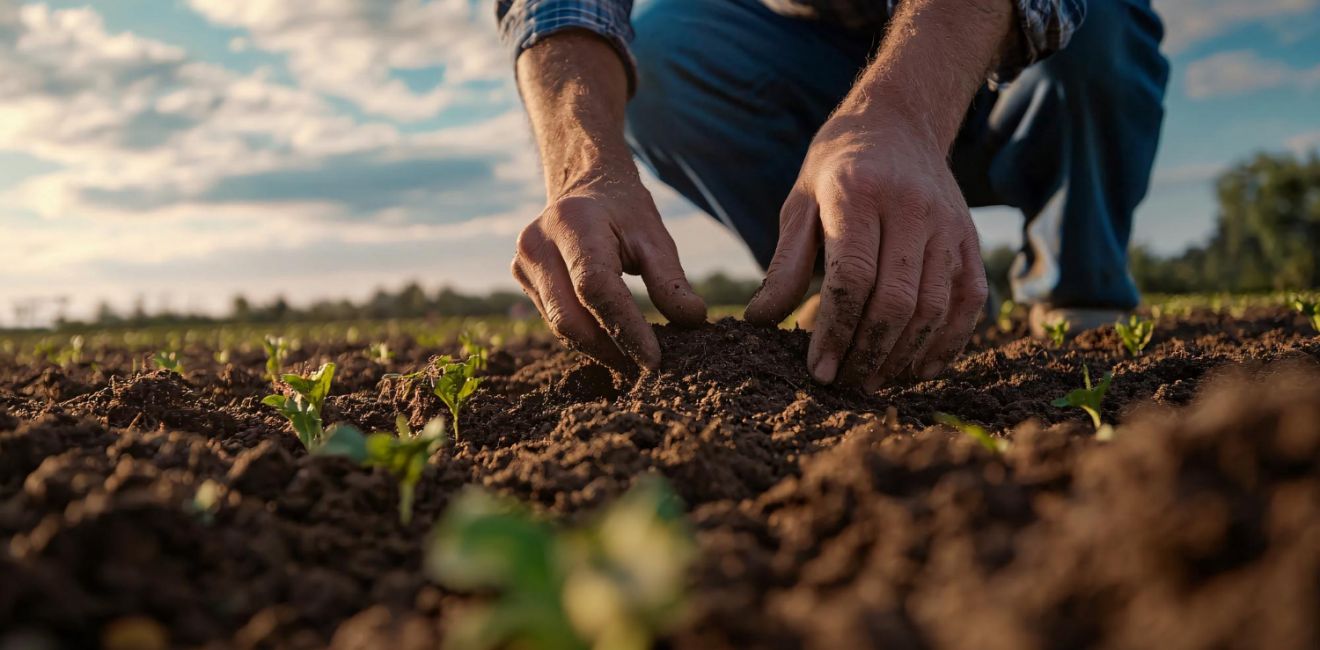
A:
344, 440
975, 431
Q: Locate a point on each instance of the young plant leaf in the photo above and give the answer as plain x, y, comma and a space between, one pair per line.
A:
1057, 331
974, 431
456, 384
619, 578
1089, 398
303, 409
1135, 334
1308, 308
168, 360
277, 350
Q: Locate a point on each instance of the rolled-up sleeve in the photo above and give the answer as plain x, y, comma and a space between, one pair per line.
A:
1046, 27
523, 23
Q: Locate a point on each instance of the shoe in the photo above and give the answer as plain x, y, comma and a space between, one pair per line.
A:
1079, 318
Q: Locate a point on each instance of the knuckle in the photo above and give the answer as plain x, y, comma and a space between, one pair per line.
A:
855, 271
933, 306
899, 300
529, 244
592, 284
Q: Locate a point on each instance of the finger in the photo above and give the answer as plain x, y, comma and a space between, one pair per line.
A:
543, 274
939, 267
851, 230
596, 270
967, 302
667, 284
897, 287
789, 274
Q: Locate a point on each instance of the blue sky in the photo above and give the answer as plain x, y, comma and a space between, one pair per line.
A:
182, 151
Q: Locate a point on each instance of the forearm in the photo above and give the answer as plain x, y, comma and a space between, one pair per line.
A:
575, 89
934, 57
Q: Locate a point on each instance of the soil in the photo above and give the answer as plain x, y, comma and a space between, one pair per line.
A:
826, 518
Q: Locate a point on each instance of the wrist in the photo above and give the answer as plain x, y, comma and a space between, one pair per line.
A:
918, 78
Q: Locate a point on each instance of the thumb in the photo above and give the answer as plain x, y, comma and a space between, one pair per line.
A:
668, 286
789, 275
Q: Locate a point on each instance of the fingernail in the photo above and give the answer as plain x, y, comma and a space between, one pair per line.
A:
931, 369
825, 369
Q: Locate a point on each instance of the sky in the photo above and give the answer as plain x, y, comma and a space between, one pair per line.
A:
177, 152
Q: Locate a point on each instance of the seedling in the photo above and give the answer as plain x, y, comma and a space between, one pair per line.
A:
615, 583
457, 383
1005, 318
206, 500
1308, 308
1135, 334
304, 409
974, 431
472, 348
380, 352
403, 455
168, 360
1089, 399
277, 351
1057, 331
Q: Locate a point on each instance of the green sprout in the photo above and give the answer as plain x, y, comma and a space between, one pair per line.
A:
404, 455
974, 431
1089, 399
457, 382
617, 582
472, 348
1308, 308
380, 352
304, 409
168, 360
1057, 331
1005, 317
1135, 334
277, 351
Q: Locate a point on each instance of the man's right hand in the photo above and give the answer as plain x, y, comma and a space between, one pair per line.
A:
570, 259
600, 221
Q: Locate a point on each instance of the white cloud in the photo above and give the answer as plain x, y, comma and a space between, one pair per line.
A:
1188, 22
1239, 72
349, 48
1305, 143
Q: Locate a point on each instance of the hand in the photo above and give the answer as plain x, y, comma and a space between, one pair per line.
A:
600, 221
569, 261
904, 283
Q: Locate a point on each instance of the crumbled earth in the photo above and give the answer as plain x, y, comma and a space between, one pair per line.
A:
826, 518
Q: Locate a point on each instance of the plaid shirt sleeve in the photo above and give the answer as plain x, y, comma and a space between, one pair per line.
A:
523, 23
1047, 26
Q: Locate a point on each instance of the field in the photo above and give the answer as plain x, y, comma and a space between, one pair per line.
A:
822, 518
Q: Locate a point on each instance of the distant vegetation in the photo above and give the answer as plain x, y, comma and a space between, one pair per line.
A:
1266, 237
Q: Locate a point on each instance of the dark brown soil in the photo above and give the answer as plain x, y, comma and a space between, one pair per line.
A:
826, 518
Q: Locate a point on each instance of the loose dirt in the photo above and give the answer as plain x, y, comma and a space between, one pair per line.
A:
826, 518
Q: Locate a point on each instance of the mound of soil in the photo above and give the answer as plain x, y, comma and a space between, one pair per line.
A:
826, 518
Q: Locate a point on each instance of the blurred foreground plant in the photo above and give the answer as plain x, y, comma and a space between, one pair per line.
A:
616, 583
404, 455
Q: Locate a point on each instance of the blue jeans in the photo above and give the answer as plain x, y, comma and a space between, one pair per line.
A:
730, 94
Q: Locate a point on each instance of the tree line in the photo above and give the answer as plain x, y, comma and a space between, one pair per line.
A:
1267, 233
